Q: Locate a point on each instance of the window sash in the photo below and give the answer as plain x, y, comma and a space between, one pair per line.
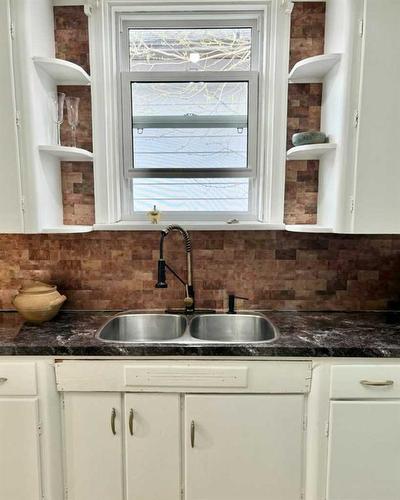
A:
251, 77
171, 216
195, 21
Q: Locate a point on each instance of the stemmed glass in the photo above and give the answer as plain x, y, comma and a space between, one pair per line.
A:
60, 115
72, 104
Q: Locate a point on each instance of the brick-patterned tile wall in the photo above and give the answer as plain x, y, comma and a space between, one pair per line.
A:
71, 35
78, 192
72, 44
304, 112
276, 270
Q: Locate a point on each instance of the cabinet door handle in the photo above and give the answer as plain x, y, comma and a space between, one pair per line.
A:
3, 380
192, 433
131, 417
377, 383
113, 416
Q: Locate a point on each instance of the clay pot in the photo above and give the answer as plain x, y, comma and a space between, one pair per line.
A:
38, 302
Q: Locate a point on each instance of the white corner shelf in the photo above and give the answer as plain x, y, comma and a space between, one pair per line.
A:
66, 153
310, 151
313, 69
63, 72
308, 228
65, 229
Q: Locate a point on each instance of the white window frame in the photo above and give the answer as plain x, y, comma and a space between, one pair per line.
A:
187, 20
105, 31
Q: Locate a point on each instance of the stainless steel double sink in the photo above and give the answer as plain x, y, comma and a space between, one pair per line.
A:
135, 327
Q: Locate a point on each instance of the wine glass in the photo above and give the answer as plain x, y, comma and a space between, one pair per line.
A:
72, 104
60, 114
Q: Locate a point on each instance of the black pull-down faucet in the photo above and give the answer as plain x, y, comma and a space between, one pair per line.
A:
163, 266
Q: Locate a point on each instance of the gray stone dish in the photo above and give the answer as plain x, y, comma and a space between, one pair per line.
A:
311, 137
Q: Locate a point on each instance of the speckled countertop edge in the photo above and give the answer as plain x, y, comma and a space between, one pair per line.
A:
302, 334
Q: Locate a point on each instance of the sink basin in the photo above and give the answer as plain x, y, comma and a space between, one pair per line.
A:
233, 328
136, 327
131, 327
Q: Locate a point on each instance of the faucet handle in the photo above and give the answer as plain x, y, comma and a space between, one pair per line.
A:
231, 302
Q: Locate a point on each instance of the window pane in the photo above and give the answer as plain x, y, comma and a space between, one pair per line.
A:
194, 49
189, 124
191, 195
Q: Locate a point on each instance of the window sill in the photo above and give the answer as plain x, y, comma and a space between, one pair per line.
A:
190, 225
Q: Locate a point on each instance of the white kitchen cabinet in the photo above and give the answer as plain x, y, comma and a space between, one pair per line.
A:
93, 446
358, 181
20, 476
243, 447
247, 439
236, 446
100, 429
377, 176
30, 174
153, 446
364, 450
11, 219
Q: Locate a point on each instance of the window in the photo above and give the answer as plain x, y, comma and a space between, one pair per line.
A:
190, 101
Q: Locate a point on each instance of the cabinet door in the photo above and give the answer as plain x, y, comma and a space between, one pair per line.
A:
364, 450
377, 200
153, 446
93, 445
244, 447
19, 449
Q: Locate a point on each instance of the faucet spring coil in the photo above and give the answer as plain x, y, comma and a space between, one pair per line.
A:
185, 234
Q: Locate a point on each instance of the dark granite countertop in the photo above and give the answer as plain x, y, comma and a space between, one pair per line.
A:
302, 334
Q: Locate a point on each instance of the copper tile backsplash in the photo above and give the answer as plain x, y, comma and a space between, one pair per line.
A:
274, 269
78, 192
71, 35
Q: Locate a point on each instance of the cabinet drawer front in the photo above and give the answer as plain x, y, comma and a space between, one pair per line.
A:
365, 382
17, 379
185, 376
189, 376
